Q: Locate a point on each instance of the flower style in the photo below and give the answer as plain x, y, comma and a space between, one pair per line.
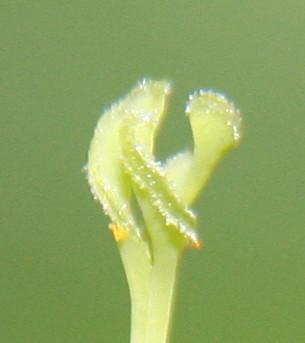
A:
148, 201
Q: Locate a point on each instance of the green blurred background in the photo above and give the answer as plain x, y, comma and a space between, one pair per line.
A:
62, 63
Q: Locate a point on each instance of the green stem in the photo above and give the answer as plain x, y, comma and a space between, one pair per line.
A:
151, 310
152, 278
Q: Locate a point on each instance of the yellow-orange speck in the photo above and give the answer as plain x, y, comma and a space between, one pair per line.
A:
119, 233
197, 244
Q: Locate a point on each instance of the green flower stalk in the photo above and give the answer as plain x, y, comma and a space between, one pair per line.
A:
148, 201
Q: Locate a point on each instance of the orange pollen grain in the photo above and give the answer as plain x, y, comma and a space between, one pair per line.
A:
197, 244
119, 233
